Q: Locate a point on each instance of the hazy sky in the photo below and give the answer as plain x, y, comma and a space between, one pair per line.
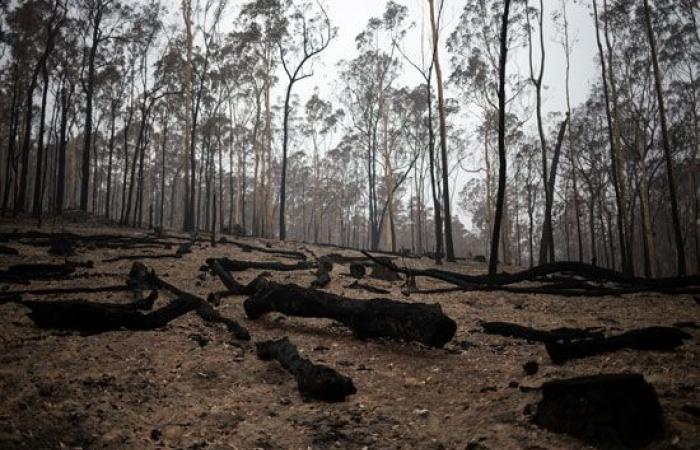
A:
351, 16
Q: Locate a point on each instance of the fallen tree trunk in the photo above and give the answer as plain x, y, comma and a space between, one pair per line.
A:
239, 266
140, 257
586, 271
68, 290
607, 411
272, 251
93, 318
23, 273
532, 334
69, 241
314, 381
366, 318
651, 339
379, 252
204, 309
234, 287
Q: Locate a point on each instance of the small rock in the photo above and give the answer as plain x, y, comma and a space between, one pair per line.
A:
513, 384
156, 434
421, 412
531, 368
199, 339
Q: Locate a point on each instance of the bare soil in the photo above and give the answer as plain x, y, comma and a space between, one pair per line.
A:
162, 389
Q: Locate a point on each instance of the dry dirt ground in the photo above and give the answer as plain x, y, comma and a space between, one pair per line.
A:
161, 389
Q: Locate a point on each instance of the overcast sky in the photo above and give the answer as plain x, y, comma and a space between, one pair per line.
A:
351, 17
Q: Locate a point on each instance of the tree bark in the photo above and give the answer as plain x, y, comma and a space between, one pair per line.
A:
37, 206
87, 133
503, 59
680, 250
449, 246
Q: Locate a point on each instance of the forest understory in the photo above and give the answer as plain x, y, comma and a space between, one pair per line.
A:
192, 384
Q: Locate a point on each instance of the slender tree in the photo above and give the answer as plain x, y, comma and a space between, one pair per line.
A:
665, 140
314, 39
503, 60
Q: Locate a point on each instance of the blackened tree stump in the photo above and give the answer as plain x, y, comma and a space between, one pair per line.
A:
314, 381
384, 271
608, 411
378, 317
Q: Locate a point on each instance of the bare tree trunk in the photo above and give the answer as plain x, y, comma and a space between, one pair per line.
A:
66, 94
547, 238
493, 260
11, 142
89, 92
108, 200
547, 241
611, 139
487, 162
436, 201
620, 162
645, 212
680, 250
221, 181
449, 246
37, 206
591, 225
572, 147
161, 213
188, 224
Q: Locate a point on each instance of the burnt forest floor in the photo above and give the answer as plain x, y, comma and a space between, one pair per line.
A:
191, 385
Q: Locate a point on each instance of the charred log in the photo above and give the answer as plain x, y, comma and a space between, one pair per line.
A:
645, 339
573, 269
532, 334
23, 273
276, 251
93, 318
314, 381
239, 266
62, 246
5, 250
204, 310
63, 291
366, 318
140, 257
